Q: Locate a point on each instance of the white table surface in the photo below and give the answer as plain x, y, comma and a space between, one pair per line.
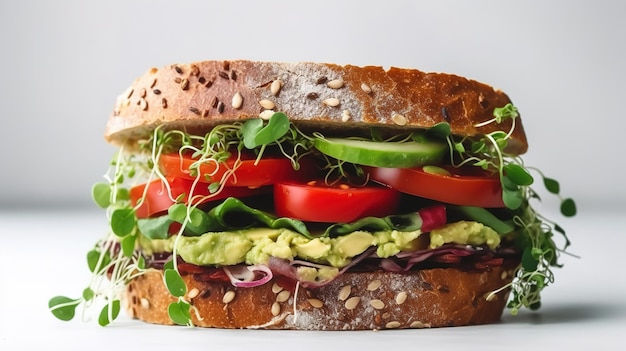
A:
42, 255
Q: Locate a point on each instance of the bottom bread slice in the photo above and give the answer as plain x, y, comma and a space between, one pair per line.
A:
437, 297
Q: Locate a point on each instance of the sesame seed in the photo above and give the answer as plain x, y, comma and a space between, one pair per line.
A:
208, 83
145, 304
444, 113
335, 84
214, 102
143, 104
283, 296
392, 325
201, 80
226, 65
130, 93
142, 93
276, 86
276, 288
224, 75
275, 309
237, 100
399, 119
366, 88
205, 112
177, 80
401, 297
374, 284
332, 102
352, 302
345, 116
153, 83
377, 304
267, 104
344, 292
220, 107
312, 95
228, 297
156, 91
321, 80
194, 110
178, 70
163, 103
193, 293
233, 75
266, 114
184, 84
316, 303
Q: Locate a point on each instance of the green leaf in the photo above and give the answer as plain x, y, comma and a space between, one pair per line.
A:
168, 265
276, 128
101, 194
249, 131
128, 245
512, 199
529, 262
503, 113
440, 130
93, 257
459, 147
568, 208
114, 308
174, 283
122, 194
123, 221
196, 221
155, 228
88, 294
255, 134
551, 185
517, 174
63, 307
179, 312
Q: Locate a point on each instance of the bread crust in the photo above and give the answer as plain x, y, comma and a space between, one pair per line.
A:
438, 297
196, 96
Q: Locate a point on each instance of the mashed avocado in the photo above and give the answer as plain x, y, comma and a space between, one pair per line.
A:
256, 246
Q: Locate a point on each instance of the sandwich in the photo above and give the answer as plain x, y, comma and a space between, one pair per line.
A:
317, 196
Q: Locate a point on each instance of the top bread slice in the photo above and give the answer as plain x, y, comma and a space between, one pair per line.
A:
320, 96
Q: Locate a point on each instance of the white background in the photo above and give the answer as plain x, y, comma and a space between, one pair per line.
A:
62, 64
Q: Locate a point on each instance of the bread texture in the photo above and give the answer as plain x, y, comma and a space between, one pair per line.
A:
438, 297
325, 97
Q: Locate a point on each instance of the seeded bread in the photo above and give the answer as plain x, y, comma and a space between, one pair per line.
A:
437, 297
326, 97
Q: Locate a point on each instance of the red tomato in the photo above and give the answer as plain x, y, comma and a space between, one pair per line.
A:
267, 171
317, 202
158, 200
469, 186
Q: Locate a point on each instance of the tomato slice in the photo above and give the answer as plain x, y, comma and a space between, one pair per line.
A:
468, 186
316, 202
157, 199
268, 170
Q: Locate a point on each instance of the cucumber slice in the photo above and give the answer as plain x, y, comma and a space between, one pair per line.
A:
382, 154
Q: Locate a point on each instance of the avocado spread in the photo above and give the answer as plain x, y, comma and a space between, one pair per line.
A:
256, 246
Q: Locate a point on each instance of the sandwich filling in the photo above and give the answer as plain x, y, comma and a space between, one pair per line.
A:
254, 199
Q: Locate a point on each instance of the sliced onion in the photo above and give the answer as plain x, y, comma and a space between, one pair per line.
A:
246, 276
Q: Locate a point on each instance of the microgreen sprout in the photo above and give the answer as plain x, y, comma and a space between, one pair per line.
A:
114, 262
539, 251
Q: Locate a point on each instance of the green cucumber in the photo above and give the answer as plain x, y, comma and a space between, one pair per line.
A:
382, 154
